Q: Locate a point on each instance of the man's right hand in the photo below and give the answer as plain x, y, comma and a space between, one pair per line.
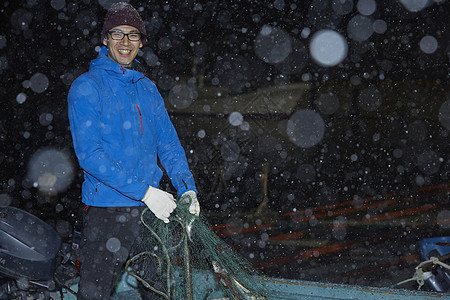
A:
160, 203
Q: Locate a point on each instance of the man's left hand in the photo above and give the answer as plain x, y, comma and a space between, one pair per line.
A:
194, 208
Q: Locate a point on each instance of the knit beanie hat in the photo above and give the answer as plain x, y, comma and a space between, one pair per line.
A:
123, 13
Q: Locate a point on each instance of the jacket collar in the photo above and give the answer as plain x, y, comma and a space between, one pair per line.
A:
116, 70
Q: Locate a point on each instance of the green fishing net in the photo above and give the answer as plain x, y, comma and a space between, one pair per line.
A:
191, 262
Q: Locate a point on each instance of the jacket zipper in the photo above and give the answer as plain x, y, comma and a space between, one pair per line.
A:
140, 117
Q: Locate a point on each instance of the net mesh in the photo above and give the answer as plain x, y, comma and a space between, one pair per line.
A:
184, 257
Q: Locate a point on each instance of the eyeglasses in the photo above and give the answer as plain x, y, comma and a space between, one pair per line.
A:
118, 36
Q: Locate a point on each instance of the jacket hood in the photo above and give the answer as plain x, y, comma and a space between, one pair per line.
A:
114, 69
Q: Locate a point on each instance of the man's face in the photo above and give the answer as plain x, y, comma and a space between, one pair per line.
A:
122, 51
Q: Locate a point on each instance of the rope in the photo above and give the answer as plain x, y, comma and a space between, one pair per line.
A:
436, 261
420, 275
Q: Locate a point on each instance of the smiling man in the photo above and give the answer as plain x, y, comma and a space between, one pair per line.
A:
120, 130
123, 43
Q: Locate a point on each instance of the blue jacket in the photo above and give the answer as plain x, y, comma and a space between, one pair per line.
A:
120, 127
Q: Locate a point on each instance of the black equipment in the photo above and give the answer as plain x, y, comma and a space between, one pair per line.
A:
31, 253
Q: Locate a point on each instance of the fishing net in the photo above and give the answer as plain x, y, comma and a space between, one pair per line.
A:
184, 259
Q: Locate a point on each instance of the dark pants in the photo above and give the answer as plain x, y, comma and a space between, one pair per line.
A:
110, 236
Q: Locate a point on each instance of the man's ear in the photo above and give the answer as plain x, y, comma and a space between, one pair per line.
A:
105, 41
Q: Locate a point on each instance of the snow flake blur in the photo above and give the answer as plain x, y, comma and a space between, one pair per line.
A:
444, 114
272, 44
428, 44
328, 48
360, 28
181, 96
305, 128
39, 82
50, 170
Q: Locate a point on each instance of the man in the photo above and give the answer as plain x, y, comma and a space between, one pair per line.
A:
120, 129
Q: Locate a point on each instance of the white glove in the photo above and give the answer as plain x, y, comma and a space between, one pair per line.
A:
160, 203
194, 208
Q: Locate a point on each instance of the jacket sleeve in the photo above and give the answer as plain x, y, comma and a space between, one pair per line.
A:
84, 109
170, 152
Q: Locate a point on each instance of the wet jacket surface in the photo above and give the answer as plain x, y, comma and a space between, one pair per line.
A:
120, 127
